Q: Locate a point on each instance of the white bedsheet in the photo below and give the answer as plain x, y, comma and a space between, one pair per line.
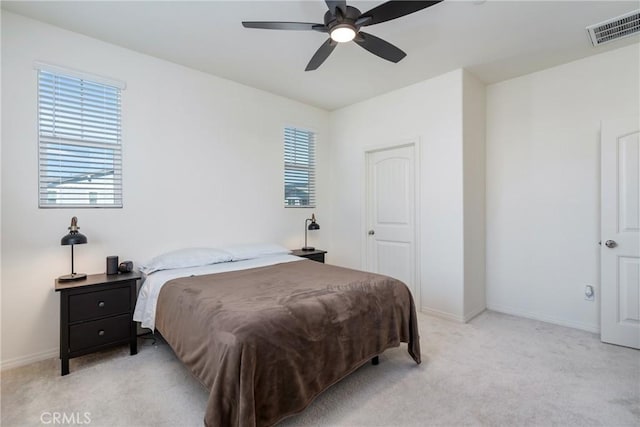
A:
145, 311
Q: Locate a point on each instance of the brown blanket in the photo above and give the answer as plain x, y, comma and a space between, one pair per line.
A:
266, 341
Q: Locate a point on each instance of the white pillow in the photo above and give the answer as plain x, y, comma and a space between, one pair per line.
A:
255, 250
183, 258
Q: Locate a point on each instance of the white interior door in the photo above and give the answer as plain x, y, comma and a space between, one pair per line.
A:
391, 207
620, 216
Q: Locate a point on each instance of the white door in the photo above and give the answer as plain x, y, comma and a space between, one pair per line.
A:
620, 216
391, 208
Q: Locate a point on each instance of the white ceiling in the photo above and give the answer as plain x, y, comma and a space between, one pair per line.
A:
495, 40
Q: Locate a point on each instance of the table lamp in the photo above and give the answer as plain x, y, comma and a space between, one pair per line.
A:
312, 226
73, 238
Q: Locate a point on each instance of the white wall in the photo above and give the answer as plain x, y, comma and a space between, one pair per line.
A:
543, 180
203, 162
432, 112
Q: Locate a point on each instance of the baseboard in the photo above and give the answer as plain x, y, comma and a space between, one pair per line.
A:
543, 318
454, 317
25, 360
443, 314
473, 313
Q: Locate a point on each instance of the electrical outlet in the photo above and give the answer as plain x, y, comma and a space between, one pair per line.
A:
589, 293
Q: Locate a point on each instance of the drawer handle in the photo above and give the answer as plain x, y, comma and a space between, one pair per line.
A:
101, 332
101, 304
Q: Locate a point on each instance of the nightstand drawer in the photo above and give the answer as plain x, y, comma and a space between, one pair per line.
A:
92, 305
99, 332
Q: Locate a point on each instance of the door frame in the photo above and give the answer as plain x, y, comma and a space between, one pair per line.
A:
366, 152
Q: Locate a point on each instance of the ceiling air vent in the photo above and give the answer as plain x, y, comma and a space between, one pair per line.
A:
616, 28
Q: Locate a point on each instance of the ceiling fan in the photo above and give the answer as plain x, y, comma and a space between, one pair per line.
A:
343, 24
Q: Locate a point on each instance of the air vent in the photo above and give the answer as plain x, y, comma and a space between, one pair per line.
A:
616, 28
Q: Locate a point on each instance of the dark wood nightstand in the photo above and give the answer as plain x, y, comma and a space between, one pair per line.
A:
315, 255
96, 313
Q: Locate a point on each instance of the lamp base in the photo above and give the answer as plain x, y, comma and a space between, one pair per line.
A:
72, 276
308, 248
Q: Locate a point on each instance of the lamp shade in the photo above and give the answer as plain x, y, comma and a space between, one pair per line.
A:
314, 226
73, 239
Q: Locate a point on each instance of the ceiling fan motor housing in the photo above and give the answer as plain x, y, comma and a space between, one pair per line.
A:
348, 19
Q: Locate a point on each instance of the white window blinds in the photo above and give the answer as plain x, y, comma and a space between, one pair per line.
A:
79, 137
299, 168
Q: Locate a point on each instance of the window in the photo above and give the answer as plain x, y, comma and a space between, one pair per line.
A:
79, 138
299, 168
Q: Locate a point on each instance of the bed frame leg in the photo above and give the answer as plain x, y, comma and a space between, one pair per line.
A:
375, 360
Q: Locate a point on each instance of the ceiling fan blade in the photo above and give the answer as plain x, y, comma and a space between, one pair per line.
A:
394, 9
377, 46
337, 4
295, 26
321, 54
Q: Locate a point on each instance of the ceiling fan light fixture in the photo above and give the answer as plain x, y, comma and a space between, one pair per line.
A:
343, 33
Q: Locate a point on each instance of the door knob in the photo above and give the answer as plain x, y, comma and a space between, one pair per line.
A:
371, 232
610, 244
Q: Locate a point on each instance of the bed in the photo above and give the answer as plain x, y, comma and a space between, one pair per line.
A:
267, 335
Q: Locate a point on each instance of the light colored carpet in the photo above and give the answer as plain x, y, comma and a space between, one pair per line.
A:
498, 370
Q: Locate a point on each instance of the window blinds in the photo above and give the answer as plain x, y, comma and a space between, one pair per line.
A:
299, 168
79, 136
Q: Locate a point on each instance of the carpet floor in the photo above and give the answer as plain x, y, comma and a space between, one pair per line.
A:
497, 370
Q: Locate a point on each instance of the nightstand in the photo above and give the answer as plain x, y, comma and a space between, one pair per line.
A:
315, 255
96, 313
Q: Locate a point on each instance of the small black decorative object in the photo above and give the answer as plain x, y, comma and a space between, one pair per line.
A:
125, 267
73, 238
312, 226
112, 265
